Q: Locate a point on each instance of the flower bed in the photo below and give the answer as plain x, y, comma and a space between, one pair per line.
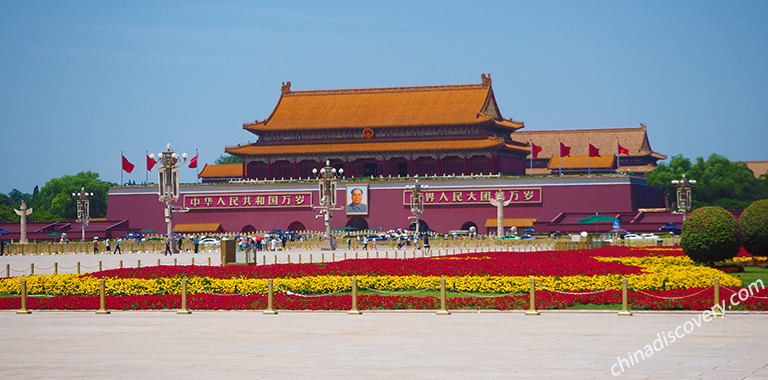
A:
656, 268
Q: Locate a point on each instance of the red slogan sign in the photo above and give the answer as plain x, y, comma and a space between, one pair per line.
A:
453, 197
253, 200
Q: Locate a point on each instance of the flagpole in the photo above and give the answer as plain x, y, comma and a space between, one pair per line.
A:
531, 143
618, 155
146, 169
121, 168
197, 167
560, 156
589, 158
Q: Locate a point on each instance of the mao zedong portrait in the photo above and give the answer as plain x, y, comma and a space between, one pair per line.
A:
357, 206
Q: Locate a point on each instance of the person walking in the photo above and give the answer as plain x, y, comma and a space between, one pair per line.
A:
95, 246
167, 247
117, 247
196, 240
109, 249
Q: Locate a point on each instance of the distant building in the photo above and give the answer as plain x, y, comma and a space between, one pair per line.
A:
453, 137
638, 159
759, 168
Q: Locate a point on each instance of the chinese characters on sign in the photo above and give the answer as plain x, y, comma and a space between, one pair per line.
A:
453, 197
253, 200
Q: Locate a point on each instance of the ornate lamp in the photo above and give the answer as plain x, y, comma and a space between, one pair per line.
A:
327, 178
83, 199
168, 185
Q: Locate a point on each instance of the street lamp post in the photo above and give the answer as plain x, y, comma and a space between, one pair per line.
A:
83, 199
168, 185
684, 197
417, 203
327, 178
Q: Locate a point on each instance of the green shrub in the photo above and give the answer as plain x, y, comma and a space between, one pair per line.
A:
754, 228
711, 234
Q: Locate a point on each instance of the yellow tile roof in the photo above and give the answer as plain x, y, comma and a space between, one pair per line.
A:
605, 139
385, 107
511, 222
190, 228
335, 147
222, 171
582, 162
758, 167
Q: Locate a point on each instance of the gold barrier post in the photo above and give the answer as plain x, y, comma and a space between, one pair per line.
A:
121, 264
175, 261
8, 270
275, 259
32, 268
310, 258
354, 310
270, 309
299, 258
158, 262
624, 309
193, 261
78, 267
289, 259
532, 304
102, 301
56, 268
100, 266
23, 309
718, 309
138, 263
443, 310
184, 309
322, 257
209, 261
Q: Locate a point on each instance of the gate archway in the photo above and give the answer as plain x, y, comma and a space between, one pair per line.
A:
357, 222
296, 226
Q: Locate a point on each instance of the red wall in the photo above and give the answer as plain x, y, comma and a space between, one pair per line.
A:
386, 210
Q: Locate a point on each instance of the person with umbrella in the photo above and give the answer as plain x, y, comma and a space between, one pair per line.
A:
95, 245
167, 246
117, 247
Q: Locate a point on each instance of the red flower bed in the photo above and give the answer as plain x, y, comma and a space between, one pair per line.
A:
544, 263
544, 300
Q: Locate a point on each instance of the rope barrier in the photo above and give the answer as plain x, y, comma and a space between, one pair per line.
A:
136, 294
400, 292
733, 291
481, 296
290, 293
669, 298
200, 291
577, 293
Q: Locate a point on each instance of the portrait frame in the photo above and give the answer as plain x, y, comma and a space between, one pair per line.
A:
349, 200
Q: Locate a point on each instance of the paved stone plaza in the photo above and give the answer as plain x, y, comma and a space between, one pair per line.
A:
375, 345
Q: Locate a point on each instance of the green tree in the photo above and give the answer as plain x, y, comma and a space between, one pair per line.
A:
55, 201
228, 159
663, 175
719, 182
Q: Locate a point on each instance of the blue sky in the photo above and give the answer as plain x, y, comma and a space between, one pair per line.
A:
81, 81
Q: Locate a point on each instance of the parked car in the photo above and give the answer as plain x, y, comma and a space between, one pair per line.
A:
210, 241
528, 237
650, 236
632, 236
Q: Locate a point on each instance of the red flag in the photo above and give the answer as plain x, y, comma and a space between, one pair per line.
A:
535, 149
127, 166
565, 150
193, 162
150, 163
622, 150
593, 152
